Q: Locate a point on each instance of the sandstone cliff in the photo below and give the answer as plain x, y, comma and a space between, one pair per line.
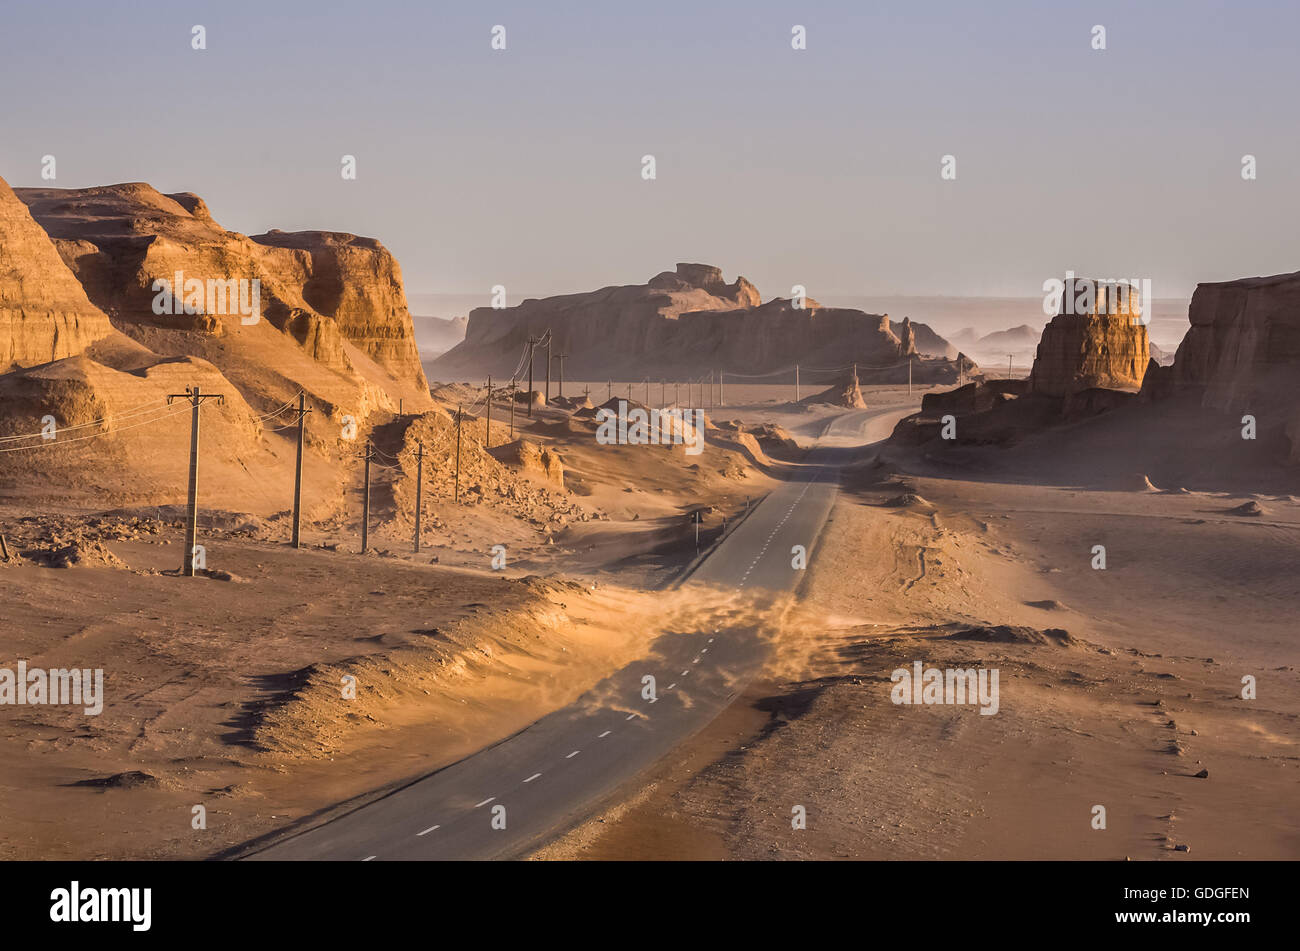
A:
336, 299
684, 323
1104, 347
1242, 351
87, 364
45, 314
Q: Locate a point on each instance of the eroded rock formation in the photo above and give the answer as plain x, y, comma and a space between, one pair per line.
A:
687, 322
1243, 351
45, 314
1103, 345
336, 298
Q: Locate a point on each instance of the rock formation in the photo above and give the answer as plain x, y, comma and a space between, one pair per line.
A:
1242, 351
843, 392
335, 299
1104, 346
44, 312
687, 322
84, 352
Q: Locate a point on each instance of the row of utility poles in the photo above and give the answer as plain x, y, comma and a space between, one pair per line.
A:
196, 399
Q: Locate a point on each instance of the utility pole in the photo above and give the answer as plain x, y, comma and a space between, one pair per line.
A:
548, 368
609, 392
722, 399
192, 510
532, 343
909, 378
710, 390
663, 393
560, 357
677, 393
513, 401
796, 382
365, 503
457, 497
489, 415
1008, 366
419, 494
297, 472
697, 529
647, 390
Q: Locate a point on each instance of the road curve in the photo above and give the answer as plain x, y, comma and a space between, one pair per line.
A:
519, 792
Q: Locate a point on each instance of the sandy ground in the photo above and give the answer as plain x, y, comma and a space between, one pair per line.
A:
227, 691
1145, 694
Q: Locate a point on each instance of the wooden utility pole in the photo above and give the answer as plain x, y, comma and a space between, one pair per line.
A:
513, 401
646, 381
663, 393
532, 343
419, 493
1008, 366
677, 392
909, 378
796, 382
457, 497
548, 368
489, 415
722, 397
560, 357
297, 473
192, 509
365, 502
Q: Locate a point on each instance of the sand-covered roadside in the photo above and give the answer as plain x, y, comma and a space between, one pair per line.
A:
230, 694
1143, 696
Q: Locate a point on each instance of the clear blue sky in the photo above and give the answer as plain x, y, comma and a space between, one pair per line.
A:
819, 166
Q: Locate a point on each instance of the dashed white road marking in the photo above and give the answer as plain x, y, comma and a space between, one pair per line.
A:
370, 858
486, 801
532, 777
605, 734
631, 716
573, 754
428, 830
672, 685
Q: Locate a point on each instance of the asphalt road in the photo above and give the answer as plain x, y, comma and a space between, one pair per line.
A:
525, 789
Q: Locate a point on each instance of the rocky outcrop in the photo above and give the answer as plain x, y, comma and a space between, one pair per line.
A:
1242, 351
1105, 347
45, 314
683, 323
844, 392
336, 298
1244, 336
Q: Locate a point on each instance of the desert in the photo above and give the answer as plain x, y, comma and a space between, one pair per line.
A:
1092, 547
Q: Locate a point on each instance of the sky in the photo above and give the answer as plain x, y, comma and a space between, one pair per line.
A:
821, 166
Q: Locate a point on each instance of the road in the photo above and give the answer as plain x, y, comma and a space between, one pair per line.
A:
521, 791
